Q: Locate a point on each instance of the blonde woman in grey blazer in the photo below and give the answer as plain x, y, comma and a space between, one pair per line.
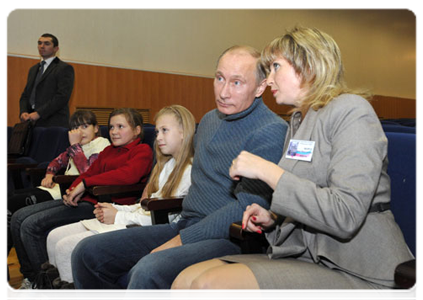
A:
329, 226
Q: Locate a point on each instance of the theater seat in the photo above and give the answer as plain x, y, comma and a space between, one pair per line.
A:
402, 170
46, 144
398, 128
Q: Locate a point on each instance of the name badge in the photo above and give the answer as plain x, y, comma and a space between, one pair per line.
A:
300, 150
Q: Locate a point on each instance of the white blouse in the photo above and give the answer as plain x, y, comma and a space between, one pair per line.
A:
134, 214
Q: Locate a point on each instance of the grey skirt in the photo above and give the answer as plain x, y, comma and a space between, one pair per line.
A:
292, 273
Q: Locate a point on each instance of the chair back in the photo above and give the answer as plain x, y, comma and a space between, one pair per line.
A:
398, 128
149, 136
19, 139
48, 143
104, 130
402, 171
9, 133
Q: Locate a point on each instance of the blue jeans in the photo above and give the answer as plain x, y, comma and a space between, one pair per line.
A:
107, 260
30, 226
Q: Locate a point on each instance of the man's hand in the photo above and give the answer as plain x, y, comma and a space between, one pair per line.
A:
34, 116
175, 242
24, 117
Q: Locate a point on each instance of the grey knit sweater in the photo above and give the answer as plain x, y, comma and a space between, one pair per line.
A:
214, 199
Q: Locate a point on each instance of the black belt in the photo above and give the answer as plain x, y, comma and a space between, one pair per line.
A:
379, 207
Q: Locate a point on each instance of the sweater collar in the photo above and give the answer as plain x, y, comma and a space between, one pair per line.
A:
241, 114
130, 145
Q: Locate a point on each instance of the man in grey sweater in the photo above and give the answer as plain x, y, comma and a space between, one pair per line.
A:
151, 257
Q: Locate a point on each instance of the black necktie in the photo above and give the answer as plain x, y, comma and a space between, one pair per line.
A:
37, 79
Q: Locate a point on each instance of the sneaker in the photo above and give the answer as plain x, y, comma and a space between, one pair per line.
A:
24, 289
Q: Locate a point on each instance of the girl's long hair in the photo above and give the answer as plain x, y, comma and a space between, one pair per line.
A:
184, 158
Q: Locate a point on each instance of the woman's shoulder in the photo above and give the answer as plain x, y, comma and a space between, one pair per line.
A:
349, 101
347, 109
348, 105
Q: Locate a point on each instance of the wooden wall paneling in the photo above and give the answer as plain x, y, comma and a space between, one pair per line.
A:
394, 107
17, 73
101, 86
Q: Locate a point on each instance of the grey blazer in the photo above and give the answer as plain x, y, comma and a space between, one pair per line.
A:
326, 201
53, 92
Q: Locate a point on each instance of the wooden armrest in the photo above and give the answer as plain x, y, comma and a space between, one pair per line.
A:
235, 231
11, 159
104, 193
161, 207
64, 178
405, 274
64, 181
152, 204
250, 242
100, 190
36, 171
15, 170
36, 175
18, 166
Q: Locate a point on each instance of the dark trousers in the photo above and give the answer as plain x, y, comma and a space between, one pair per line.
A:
122, 259
30, 226
21, 198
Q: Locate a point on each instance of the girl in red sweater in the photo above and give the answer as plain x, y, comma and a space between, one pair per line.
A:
127, 161
123, 164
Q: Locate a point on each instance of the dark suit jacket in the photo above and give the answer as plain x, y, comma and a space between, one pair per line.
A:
53, 92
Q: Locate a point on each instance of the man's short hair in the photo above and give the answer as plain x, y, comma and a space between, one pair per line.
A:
260, 71
53, 38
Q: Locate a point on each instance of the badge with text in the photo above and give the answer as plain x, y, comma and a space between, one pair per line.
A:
300, 150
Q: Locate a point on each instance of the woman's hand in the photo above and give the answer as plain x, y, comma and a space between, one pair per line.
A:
246, 165
75, 136
254, 167
256, 219
73, 196
105, 213
48, 181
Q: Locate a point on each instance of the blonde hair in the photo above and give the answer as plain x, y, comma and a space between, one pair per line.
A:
316, 58
184, 158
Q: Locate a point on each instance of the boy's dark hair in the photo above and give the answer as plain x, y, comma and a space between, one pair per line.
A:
53, 38
81, 117
132, 116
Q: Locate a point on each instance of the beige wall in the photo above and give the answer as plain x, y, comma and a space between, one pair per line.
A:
378, 46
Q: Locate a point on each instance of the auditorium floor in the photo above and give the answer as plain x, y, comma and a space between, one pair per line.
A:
13, 266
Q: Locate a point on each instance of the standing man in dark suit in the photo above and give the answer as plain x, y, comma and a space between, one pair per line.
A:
45, 99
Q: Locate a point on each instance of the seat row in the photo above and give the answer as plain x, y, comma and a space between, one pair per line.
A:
45, 145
